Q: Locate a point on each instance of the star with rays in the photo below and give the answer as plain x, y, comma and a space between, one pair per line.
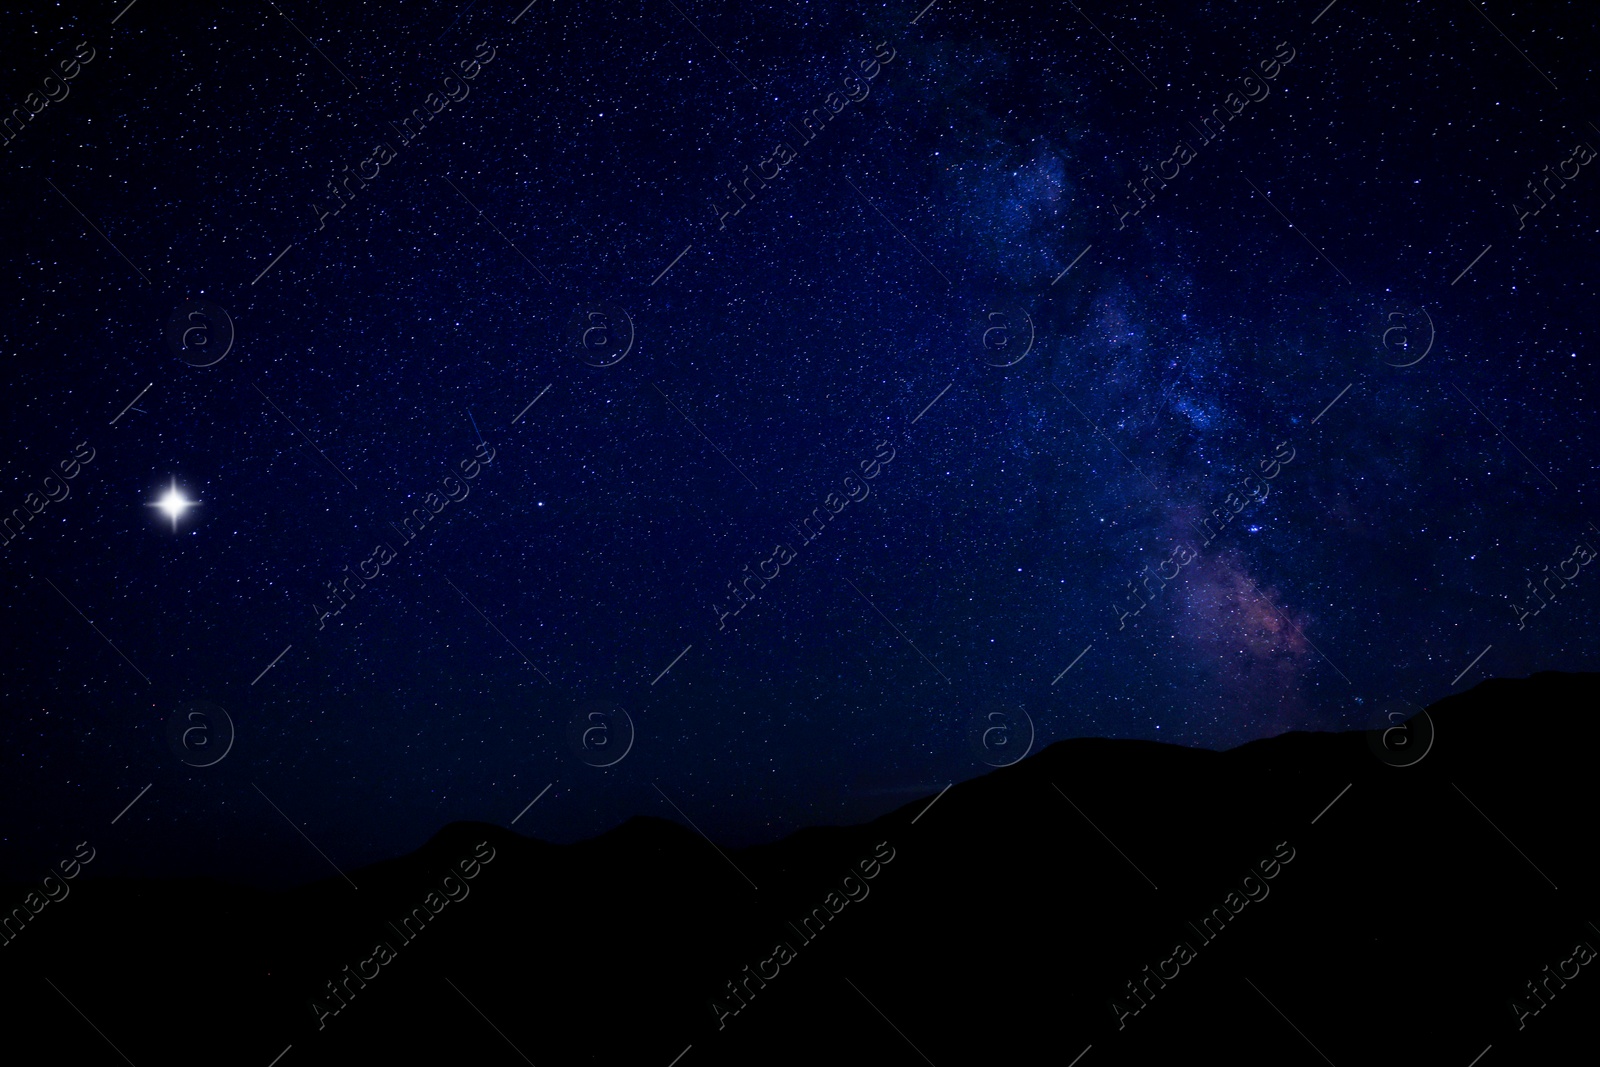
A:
173, 503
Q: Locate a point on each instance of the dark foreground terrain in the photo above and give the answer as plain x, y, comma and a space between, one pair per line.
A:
1309, 899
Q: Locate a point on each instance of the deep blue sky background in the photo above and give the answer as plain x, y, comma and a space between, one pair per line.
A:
1171, 358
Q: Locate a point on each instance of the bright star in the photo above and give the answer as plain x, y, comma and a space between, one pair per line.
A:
174, 504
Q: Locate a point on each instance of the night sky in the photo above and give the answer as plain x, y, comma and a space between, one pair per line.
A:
762, 415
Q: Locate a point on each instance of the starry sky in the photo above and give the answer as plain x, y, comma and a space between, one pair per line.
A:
760, 415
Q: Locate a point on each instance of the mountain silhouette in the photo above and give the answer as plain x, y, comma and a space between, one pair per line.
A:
1348, 898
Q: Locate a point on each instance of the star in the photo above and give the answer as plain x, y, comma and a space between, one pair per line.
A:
174, 503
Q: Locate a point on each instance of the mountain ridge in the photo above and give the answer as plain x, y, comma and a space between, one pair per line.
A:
1057, 902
